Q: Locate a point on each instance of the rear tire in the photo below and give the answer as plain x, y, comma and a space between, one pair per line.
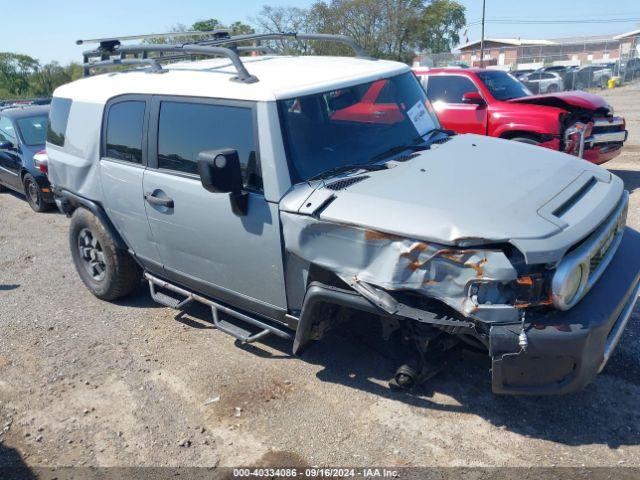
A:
34, 194
108, 272
552, 88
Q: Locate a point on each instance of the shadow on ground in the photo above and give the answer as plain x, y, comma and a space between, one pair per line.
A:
12, 465
631, 178
604, 413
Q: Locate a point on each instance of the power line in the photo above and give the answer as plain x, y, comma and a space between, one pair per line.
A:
554, 22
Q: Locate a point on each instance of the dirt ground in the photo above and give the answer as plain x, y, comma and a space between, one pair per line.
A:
84, 382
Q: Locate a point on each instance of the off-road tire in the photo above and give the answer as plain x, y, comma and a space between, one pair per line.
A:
108, 272
523, 139
34, 195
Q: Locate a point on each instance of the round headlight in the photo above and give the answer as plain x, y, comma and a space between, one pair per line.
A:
567, 285
572, 284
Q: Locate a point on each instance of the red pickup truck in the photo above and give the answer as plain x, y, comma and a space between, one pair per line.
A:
492, 102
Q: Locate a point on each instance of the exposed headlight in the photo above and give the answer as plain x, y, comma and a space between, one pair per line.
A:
567, 284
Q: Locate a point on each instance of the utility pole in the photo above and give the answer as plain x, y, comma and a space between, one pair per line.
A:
482, 38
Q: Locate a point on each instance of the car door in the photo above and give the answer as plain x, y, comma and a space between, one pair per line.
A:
533, 82
122, 164
10, 162
203, 244
445, 93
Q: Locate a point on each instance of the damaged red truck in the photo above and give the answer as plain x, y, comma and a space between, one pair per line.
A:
493, 103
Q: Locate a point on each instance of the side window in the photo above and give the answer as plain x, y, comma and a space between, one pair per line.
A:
7, 131
548, 76
58, 118
125, 122
448, 88
186, 129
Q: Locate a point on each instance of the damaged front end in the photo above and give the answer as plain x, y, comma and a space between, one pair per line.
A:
480, 283
419, 288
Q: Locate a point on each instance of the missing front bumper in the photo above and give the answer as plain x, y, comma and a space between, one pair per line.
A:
568, 349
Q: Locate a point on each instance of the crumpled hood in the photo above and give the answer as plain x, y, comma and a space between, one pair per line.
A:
576, 99
471, 189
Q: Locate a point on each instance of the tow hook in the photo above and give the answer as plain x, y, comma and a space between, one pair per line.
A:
523, 340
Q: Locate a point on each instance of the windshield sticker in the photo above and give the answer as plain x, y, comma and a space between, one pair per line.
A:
420, 118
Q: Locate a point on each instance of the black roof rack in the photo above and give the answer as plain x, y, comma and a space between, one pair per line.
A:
221, 44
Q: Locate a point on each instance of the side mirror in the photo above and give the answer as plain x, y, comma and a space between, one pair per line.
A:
473, 98
7, 145
220, 172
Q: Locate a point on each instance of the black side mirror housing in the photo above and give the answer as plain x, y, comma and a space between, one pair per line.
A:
220, 172
6, 145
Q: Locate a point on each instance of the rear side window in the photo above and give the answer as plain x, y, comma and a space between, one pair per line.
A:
125, 122
448, 88
186, 129
7, 132
58, 118
33, 129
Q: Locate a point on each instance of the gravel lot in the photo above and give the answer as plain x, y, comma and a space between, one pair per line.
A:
84, 382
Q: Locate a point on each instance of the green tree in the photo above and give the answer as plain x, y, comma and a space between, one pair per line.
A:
47, 78
440, 24
15, 72
393, 29
237, 28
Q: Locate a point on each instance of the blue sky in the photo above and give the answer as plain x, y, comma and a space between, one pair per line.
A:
47, 30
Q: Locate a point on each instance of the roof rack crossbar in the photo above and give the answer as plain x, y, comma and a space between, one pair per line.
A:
322, 37
151, 62
197, 33
195, 49
210, 47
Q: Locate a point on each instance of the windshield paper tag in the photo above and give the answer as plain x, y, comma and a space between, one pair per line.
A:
420, 118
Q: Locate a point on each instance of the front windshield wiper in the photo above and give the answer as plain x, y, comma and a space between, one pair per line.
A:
419, 143
347, 168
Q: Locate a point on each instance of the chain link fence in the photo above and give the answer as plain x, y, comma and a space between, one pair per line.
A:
552, 66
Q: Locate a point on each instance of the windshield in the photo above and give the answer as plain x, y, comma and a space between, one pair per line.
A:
33, 129
354, 125
502, 85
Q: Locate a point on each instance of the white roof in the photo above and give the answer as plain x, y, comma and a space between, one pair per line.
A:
279, 77
509, 41
626, 35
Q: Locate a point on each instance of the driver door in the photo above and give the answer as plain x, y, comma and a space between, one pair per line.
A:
445, 93
9, 159
203, 244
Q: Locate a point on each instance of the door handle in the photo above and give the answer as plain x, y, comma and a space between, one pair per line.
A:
158, 201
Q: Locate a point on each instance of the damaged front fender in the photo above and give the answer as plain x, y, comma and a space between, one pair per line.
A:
377, 264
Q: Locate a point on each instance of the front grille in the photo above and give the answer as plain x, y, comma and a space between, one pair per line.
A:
594, 253
607, 129
606, 242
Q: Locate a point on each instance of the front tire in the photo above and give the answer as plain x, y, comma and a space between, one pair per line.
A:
34, 194
108, 272
524, 139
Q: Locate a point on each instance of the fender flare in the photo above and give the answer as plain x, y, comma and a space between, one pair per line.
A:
319, 293
71, 201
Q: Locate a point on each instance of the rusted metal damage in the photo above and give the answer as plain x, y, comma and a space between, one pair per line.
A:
376, 264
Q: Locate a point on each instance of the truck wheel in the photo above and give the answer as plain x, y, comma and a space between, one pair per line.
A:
108, 272
524, 139
34, 194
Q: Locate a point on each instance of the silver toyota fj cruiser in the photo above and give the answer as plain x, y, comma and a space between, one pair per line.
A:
284, 191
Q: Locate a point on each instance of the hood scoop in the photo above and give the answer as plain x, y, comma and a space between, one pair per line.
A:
345, 182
